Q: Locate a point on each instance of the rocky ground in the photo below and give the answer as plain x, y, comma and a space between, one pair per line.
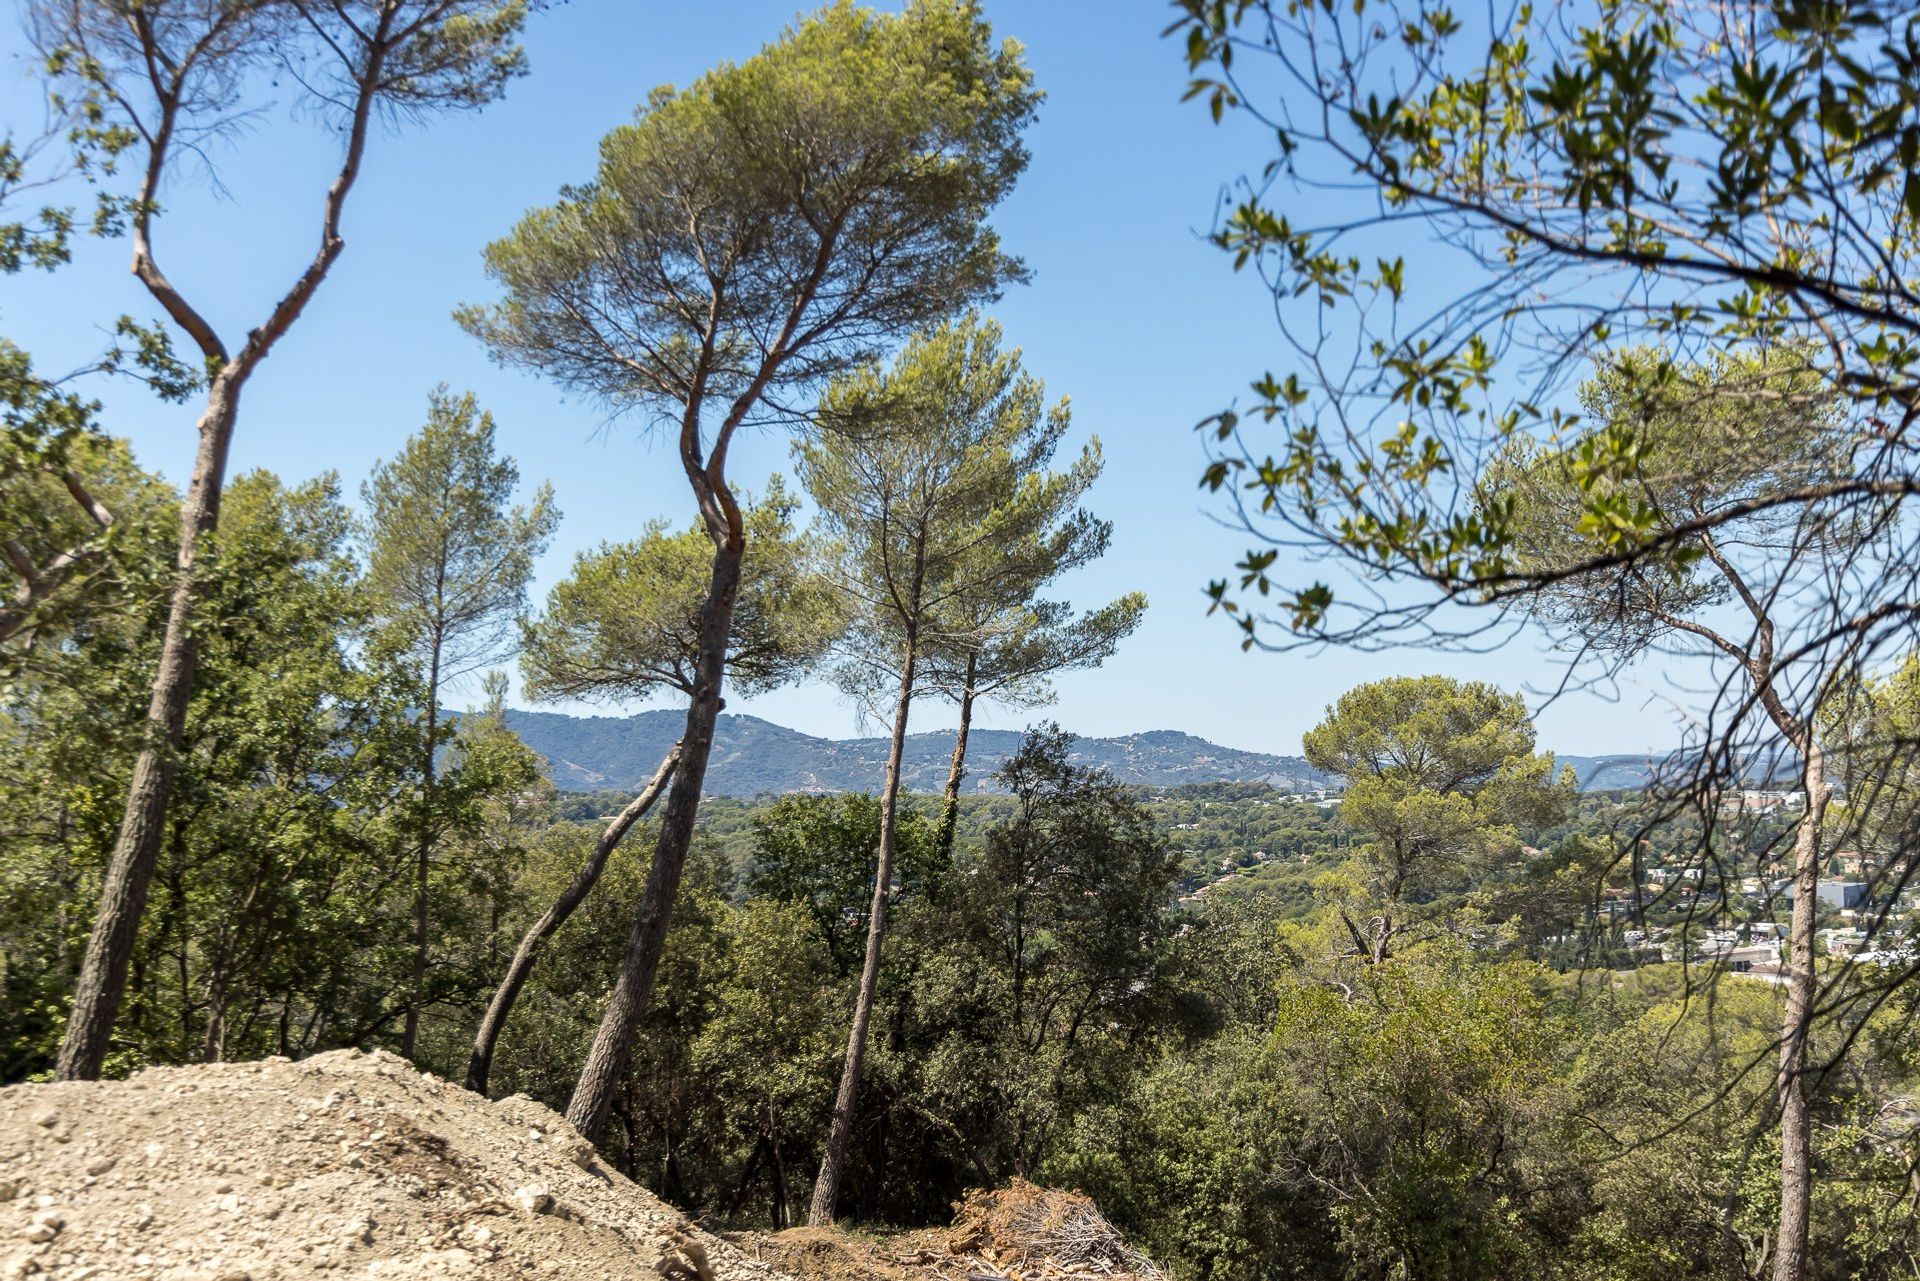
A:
356, 1165
345, 1164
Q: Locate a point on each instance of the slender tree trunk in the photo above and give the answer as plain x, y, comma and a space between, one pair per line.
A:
484, 1040
123, 893
744, 1184
423, 862
876, 1168
782, 1191
826, 1189
950, 810
607, 1058
1796, 1118
213, 1044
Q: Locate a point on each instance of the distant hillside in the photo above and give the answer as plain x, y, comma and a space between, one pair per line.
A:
751, 756
1760, 767
1611, 773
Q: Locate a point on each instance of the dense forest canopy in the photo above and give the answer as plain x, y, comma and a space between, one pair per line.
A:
1593, 325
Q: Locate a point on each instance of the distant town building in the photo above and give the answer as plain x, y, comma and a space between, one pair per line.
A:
1845, 942
1759, 802
1842, 894
1740, 958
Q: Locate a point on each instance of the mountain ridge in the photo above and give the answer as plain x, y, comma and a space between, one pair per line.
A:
752, 756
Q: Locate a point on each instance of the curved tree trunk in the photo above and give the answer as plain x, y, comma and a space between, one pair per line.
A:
488, 1035
123, 893
607, 1058
826, 1189
950, 810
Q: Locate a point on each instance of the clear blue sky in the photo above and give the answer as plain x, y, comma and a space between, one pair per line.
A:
1129, 313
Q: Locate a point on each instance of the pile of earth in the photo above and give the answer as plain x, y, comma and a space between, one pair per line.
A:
346, 1164
356, 1165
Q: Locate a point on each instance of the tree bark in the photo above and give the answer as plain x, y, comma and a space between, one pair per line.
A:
607, 1058
488, 1035
950, 809
826, 1189
123, 893
1790, 1258
423, 862
129, 874
1796, 1113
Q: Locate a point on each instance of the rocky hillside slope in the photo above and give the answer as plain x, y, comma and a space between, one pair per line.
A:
345, 1165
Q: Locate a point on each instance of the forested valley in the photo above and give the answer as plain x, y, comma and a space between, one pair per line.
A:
1448, 1015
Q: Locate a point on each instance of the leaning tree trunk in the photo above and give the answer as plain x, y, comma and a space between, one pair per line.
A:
1796, 1112
123, 892
826, 1189
484, 1040
607, 1058
950, 809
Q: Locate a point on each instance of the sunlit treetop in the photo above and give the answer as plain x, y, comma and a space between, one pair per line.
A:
775, 220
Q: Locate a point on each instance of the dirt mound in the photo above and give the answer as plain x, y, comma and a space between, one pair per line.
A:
1018, 1233
346, 1164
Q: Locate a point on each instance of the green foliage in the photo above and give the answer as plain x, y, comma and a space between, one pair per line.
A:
1195, 1159
81, 541
1426, 1087
281, 897
1872, 725
1020, 647
772, 1045
447, 559
625, 624
1440, 776
816, 852
934, 475
1687, 471
1064, 930
61, 553
1639, 175
1447, 1115
774, 221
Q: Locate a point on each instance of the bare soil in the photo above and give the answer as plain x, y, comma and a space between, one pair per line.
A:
342, 1165
352, 1165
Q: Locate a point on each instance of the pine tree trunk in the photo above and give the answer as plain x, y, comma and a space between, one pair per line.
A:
123, 893
423, 864
826, 1189
487, 1037
1796, 1119
950, 810
607, 1058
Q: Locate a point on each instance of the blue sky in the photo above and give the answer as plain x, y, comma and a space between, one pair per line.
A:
1129, 313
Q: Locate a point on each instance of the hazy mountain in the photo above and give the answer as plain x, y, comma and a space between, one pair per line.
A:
1611, 773
1760, 766
751, 756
